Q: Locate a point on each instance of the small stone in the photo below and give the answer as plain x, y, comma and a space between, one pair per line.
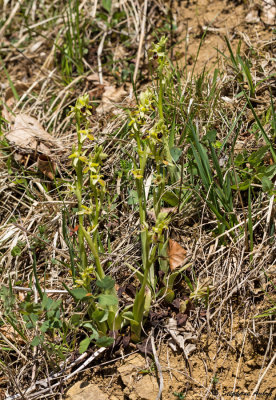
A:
252, 363
129, 370
146, 388
85, 391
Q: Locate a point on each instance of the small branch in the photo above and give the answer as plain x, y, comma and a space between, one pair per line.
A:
158, 366
141, 41
13, 346
12, 14
62, 253
262, 377
57, 375
99, 53
50, 291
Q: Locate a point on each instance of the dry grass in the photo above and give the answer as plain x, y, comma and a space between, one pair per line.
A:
32, 205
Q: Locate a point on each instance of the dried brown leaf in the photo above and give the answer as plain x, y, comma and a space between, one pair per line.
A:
10, 333
28, 135
111, 96
167, 210
46, 166
176, 254
180, 337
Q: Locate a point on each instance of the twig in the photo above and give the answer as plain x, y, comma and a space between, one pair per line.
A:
66, 256
57, 375
50, 291
13, 346
94, 8
262, 377
99, 53
140, 42
12, 14
158, 366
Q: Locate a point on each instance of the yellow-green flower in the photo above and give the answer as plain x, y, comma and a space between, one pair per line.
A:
85, 210
78, 156
91, 166
85, 134
137, 173
97, 179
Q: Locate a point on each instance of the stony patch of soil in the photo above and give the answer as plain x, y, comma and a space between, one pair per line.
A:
229, 360
231, 356
238, 20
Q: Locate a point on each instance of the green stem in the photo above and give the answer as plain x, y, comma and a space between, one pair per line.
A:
142, 214
82, 251
95, 253
139, 303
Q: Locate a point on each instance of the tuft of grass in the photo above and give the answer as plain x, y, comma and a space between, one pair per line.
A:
169, 167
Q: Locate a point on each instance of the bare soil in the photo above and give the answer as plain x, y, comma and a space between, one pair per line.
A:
229, 361
234, 350
233, 353
221, 18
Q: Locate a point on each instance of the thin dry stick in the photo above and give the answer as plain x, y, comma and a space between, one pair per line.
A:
239, 362
262, 377
13, 346
158, 366
49, 291
45, 381
234, 290
246, 243
12, 14
94, 8
66, 256
99, 53
14, 381
140, 42
269, 214
34, 289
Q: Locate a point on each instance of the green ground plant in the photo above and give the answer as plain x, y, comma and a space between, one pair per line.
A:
152, 146
178, 162
73, 47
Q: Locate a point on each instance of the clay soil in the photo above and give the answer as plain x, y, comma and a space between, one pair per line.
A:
228, 363
240, 21
232, 353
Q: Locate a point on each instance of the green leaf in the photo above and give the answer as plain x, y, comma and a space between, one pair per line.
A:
84, 345
267, 184
45, 326
133, 198
210, 136
270, 171
46, 302
100, 315
106, 4
108, 300
170, 198
88, 325
257, 156
32, 308
128, 315
106, 283
239, 160
104, 341
79, 293
175, 153
16, 251
37, 340
75, 319
242, 185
